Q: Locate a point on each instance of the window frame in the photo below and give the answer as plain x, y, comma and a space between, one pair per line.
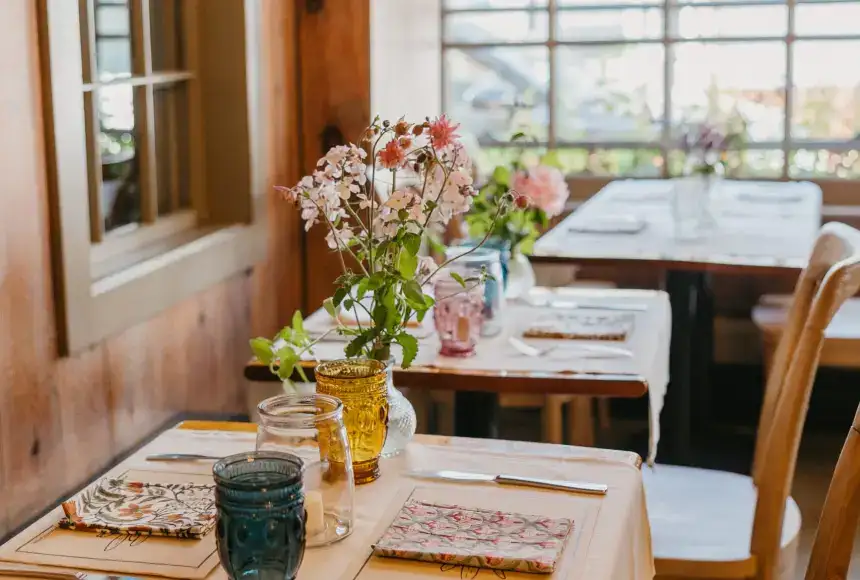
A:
836, 191
102, 289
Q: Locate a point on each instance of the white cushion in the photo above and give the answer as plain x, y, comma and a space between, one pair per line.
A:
704, 516
772, 312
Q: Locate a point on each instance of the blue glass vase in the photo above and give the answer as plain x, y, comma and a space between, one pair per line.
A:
261, 515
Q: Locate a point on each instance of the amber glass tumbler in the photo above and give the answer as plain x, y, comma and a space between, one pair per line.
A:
361, 385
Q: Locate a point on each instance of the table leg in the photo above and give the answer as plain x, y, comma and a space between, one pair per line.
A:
692, 325
476, 414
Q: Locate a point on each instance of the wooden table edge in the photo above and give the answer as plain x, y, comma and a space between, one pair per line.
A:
566, 383
670, 264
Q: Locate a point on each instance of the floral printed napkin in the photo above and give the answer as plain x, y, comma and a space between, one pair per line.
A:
450, 534
117, 506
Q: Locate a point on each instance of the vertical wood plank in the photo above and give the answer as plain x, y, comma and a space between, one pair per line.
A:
144, 110
335, 91
94, 158
191, 51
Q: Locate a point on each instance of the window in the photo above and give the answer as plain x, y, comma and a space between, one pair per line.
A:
609, 83
154, 151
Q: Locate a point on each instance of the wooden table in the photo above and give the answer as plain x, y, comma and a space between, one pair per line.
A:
611, 533
499, 368
758, 228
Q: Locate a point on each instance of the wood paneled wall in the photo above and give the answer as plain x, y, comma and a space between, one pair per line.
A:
63, 419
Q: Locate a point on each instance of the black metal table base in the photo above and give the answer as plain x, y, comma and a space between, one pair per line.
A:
476, 414
687, 398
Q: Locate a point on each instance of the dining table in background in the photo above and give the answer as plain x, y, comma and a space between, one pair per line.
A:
611, 537
574, 367
754, 228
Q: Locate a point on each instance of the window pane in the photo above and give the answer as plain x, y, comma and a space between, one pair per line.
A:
610, 92
728, 22
807, 163
476, 27
165, 21
748, 163
120, 172
171, 142
466, 4
731, 83
488, 158
826, 90
630, 24
495, 92
620, 162
827, 19
113, 40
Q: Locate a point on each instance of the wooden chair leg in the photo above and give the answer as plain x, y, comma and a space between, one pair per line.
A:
604, 418
551, 419
581, 421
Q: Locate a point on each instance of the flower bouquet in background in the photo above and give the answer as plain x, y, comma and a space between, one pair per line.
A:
706, 149
428, 180
539, 194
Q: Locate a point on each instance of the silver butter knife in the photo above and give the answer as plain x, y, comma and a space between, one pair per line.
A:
559, 485
179, 457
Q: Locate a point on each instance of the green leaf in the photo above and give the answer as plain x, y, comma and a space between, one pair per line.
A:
502, 175
428, 301
339, 295
410, 348
420, 315
347, 304
435, 245
376, 281
392, 316
262, 349
287, 359
459, 279
329, 307
361, 290
407, 263
298, 322
412, 242
412, 292
354, 347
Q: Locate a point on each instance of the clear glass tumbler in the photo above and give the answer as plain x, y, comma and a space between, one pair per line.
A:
471, 264
458, 315
362, 386
312, 428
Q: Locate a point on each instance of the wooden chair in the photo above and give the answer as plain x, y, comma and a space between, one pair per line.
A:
834, 540
841, 341
713, 524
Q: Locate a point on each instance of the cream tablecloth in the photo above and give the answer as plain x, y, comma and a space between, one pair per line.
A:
611, 541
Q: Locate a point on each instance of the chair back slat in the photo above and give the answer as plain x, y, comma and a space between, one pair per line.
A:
833, 275
834, 540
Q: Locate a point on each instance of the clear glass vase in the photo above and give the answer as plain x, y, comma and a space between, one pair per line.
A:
402, 420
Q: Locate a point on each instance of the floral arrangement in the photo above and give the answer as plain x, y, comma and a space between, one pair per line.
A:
539, 193
706, 147
428, 176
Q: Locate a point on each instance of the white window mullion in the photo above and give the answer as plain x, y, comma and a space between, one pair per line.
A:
553, 85
789, 88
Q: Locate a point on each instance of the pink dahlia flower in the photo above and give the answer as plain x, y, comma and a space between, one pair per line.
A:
544, 186
443, 133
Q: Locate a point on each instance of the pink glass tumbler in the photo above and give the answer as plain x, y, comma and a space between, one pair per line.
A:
458, 315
